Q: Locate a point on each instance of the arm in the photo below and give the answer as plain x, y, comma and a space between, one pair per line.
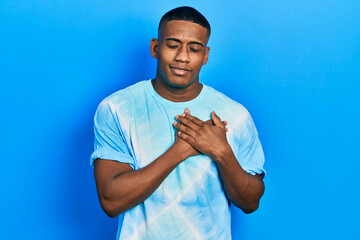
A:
120, 188
243, 189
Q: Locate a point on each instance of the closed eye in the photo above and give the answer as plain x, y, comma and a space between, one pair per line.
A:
194, 50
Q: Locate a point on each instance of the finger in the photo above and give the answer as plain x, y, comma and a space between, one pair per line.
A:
187, 111
216, 120
182, 128
194, 119
187, 138
209, 122
212, 123
187, 122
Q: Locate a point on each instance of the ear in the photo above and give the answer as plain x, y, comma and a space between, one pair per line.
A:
206, 55
154, 44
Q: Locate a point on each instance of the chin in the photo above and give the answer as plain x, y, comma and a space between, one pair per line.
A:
180, 82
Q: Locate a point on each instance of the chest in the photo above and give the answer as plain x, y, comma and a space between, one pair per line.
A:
150, 132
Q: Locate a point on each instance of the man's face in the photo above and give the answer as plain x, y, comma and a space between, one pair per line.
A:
181, 51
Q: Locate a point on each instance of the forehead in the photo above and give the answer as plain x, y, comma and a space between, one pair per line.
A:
183, 30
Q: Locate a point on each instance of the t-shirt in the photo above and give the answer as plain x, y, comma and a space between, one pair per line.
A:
135, 126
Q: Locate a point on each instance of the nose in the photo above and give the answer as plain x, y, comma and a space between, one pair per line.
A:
182, 55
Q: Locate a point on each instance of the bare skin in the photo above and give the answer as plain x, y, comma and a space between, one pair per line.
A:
181, 45
120, 188
243, 189
181, 51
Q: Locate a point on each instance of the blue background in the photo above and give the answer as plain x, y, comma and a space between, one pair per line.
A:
295, 65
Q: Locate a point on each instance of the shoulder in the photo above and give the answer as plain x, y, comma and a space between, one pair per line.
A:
238, 117
120, 103
123, 98
125, 95
226, 104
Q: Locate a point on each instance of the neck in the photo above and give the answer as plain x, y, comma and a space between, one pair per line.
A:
177, 94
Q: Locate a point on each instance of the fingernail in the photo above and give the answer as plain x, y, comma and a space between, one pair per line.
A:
183, 114
175, 123
177, 117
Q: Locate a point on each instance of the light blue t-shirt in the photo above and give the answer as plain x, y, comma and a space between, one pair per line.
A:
135, 126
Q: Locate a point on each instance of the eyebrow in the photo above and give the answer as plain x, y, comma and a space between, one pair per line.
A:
178, 40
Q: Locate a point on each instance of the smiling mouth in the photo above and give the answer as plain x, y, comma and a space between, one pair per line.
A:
179, 71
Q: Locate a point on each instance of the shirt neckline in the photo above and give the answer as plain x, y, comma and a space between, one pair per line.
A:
169, 103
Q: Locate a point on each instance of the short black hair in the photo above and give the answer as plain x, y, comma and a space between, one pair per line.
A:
187, 14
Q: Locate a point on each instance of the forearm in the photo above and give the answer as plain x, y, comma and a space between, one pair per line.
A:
243, 189
128, 189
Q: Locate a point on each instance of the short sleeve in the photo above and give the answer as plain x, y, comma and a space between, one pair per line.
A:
109, 142
250, 153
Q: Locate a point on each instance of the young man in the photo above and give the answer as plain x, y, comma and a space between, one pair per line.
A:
164, 159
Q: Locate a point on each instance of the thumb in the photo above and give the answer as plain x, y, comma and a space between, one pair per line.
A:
216, 120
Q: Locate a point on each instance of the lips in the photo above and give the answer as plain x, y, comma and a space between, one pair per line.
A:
180, 71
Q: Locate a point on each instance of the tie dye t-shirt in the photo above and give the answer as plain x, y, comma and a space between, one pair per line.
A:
135, 126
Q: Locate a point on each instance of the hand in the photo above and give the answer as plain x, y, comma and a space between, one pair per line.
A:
183, 146
207, 137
